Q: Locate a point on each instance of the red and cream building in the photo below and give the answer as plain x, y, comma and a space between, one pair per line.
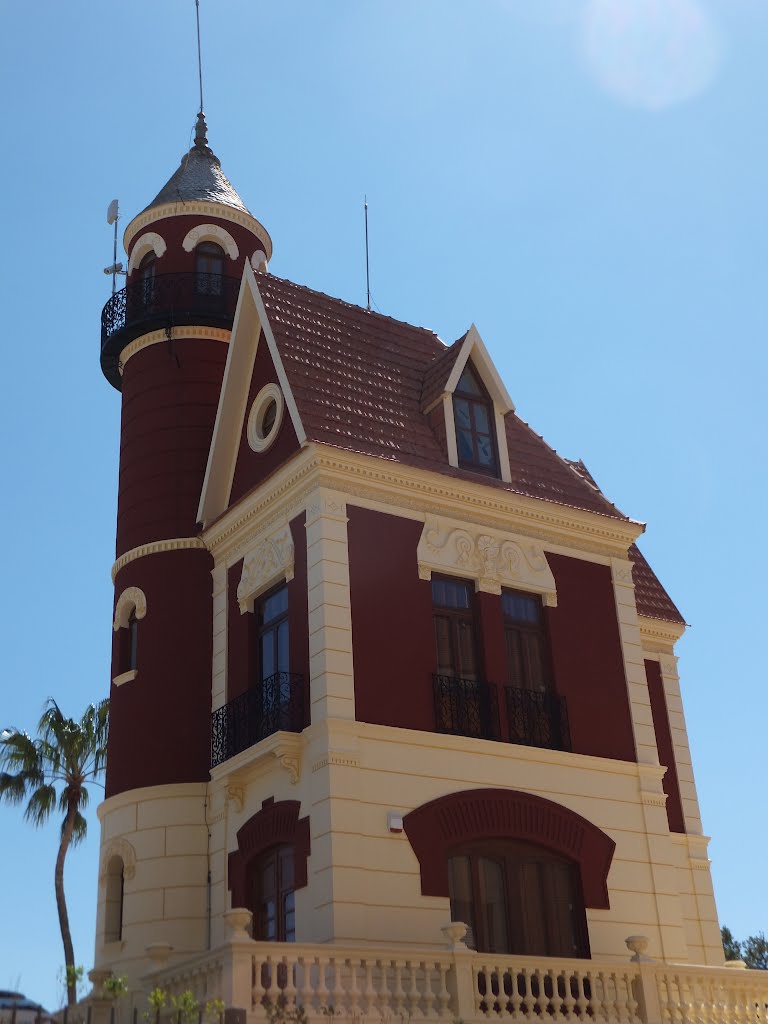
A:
382, 661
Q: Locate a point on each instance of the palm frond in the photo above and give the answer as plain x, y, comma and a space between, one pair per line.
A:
13, 788
79, 830
40, 805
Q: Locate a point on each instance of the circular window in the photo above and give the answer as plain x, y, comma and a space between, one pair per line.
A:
265, 417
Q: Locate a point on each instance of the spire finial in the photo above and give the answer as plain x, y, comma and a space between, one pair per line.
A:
201, 133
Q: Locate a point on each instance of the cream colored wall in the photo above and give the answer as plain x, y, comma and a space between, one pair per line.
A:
364, 882
161, 834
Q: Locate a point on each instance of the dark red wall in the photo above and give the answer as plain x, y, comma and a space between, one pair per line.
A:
160, 722
170, 395
587, 659
392, 634
253, 467
663, 732
240, 643
174, 229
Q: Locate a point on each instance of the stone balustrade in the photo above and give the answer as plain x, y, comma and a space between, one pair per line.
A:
400, 985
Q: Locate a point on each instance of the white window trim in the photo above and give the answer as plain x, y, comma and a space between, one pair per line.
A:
150, 241
257, 442
131, 600
211, 233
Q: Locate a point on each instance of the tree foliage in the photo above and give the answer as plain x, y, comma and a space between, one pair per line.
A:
51, 773
753, 950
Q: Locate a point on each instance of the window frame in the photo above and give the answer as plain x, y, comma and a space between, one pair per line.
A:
474, 401
209, 282
539, 630
519, 900
457, 617
147, 270
262, 629
277, 857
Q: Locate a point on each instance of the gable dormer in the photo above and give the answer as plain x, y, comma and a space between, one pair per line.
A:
464, 383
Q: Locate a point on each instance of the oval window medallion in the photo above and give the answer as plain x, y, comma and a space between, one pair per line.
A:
265, 418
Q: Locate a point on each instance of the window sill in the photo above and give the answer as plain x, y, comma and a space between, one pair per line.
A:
125, 677
114, 946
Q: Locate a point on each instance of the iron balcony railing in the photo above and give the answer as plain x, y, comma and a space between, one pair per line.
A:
470, 707
466, 707
537, 718
161, 303
273, 705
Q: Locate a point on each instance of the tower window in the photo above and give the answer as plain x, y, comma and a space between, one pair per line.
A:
474, 420
113, 904
209, 269
147, 278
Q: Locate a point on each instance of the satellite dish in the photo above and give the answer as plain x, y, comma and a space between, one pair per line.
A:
112, 212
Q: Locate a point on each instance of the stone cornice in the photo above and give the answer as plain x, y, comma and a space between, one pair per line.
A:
177, 334
197, 209
659, 635
425, 491
155, 548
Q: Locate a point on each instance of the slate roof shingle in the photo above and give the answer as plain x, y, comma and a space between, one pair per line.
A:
652, 599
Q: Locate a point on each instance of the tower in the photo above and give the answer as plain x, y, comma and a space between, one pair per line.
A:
163, 346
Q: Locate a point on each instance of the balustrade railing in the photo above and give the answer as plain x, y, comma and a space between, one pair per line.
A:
277, 703
375, 984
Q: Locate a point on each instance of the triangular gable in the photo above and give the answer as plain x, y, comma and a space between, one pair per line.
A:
251, 324
472, 347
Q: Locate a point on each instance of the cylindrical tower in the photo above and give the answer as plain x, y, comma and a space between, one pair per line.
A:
163, 345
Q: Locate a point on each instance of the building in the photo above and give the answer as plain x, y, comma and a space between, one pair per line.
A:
382, 661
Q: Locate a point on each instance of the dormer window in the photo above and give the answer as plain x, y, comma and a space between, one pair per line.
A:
209, 268
474, 419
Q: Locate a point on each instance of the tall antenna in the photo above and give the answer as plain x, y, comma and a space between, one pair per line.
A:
199, 54
116, 268
367, 268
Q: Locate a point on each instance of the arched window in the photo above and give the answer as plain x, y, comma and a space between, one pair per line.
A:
113, 904
147, 278
475, 424
518, 898
271, 895
209, 269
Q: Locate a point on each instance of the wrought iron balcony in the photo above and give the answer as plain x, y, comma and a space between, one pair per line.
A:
466, 707
161, 303
275, 704
537, 718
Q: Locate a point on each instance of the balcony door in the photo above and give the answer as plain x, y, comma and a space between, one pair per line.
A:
518, 898
272, 680
271, 895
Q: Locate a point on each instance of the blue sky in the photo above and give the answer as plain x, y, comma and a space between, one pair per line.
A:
583, 179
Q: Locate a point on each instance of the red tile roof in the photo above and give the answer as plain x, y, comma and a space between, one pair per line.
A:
652, 599
358, 379
437, 373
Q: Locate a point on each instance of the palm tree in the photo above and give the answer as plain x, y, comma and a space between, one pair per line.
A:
52, 772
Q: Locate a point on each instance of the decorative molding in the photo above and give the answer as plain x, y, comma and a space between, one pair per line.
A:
197, 209
211, 233
156, 547
337, 759
236, 796
659, 635
698, 864
125, 677
259, 261
622, 572
292, 765
493, 560
327, 505
177, 334
277, 823
653, 799
131, 600
150, 241
118, 848
271, 561
258, 441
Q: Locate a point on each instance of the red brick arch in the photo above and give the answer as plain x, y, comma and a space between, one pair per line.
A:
276, 824
434, 829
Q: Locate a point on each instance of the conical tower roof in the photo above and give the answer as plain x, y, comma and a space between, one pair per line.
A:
199, 178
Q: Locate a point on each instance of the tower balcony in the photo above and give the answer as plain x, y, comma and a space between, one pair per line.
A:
163, 302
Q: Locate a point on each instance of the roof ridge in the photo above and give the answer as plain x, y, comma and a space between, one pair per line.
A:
350, 305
